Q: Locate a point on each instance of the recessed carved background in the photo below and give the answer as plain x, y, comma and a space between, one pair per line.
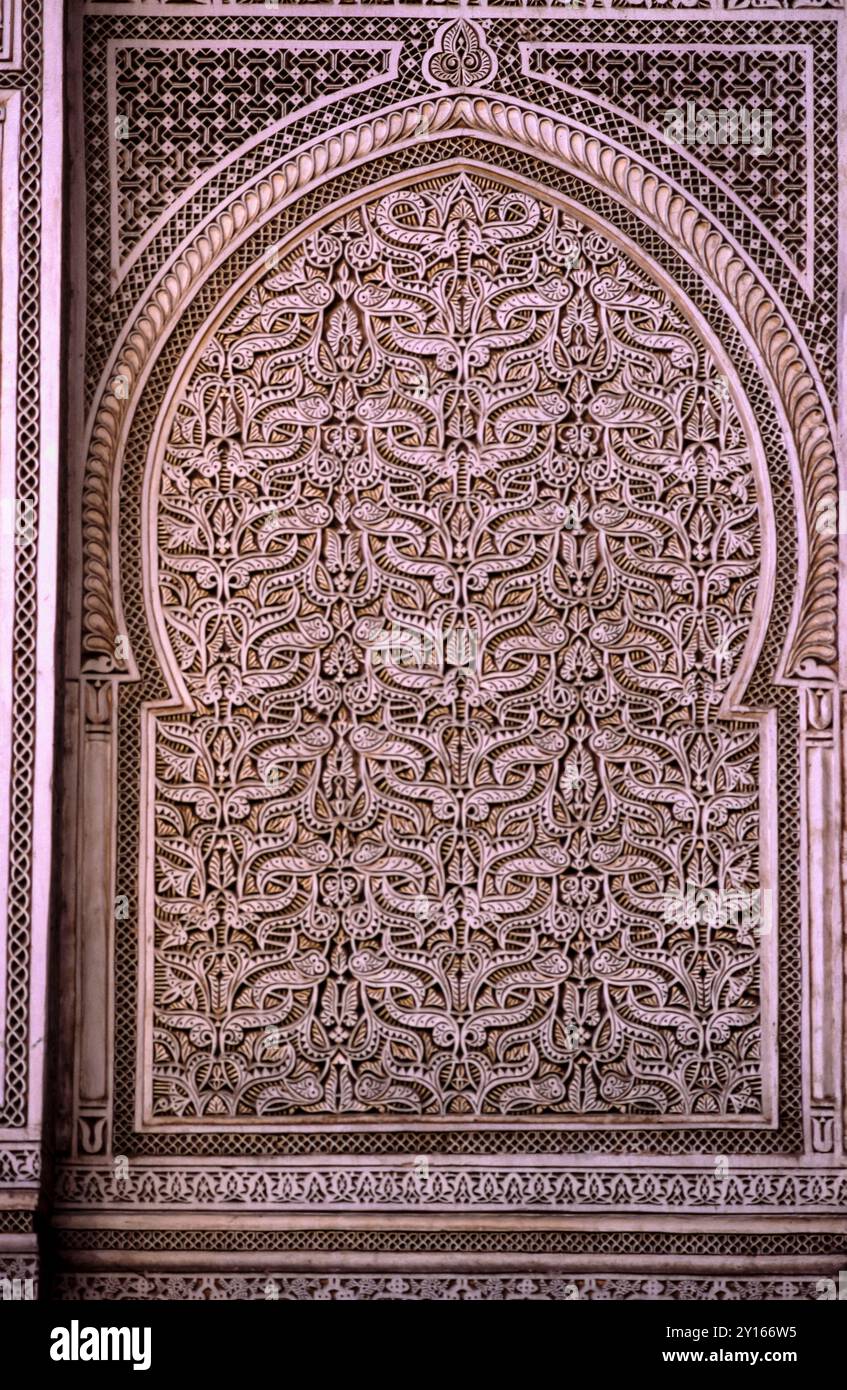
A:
458, 551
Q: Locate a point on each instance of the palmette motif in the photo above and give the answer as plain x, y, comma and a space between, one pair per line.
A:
458, 551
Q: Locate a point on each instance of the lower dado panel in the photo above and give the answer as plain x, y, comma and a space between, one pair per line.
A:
364, 1231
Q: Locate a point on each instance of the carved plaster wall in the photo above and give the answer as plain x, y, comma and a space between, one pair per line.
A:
452, 718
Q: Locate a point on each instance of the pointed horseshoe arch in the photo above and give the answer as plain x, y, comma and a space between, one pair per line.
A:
810, 647
458, 556
450, 821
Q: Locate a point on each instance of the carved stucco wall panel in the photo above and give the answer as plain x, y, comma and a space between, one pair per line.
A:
300, 480
408, 333
213, 300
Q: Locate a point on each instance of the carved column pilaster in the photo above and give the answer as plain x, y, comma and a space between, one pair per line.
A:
31, 60
820, 793
96, 917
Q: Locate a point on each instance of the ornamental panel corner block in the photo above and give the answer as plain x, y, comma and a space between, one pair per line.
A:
451, 752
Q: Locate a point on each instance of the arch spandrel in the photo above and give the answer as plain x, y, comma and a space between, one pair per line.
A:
784, 361
459, 551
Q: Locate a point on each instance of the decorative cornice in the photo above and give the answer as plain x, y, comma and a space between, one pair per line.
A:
812, 649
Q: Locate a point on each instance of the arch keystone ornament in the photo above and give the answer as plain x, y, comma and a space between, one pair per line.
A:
453, 770
460, 56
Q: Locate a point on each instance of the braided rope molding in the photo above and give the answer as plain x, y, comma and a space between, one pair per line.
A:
488, 1186
812, 650
431, 1287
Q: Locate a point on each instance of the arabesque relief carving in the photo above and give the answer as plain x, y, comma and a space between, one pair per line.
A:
812, 646
458, 551
451, 900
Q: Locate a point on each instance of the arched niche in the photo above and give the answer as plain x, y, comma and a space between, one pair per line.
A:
458, 558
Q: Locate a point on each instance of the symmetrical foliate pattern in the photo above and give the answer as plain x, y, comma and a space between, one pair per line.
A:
457, 551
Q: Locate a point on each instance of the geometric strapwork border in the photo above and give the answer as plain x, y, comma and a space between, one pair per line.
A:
431, 1287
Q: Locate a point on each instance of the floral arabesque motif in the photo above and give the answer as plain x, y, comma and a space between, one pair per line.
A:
428, 875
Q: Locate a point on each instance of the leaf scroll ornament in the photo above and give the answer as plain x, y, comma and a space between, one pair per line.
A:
458, 550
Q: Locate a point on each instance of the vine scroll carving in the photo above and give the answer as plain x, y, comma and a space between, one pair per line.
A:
458, 551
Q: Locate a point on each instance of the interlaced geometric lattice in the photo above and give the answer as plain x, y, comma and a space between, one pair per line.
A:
476, 1242
772, 183
182, 109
